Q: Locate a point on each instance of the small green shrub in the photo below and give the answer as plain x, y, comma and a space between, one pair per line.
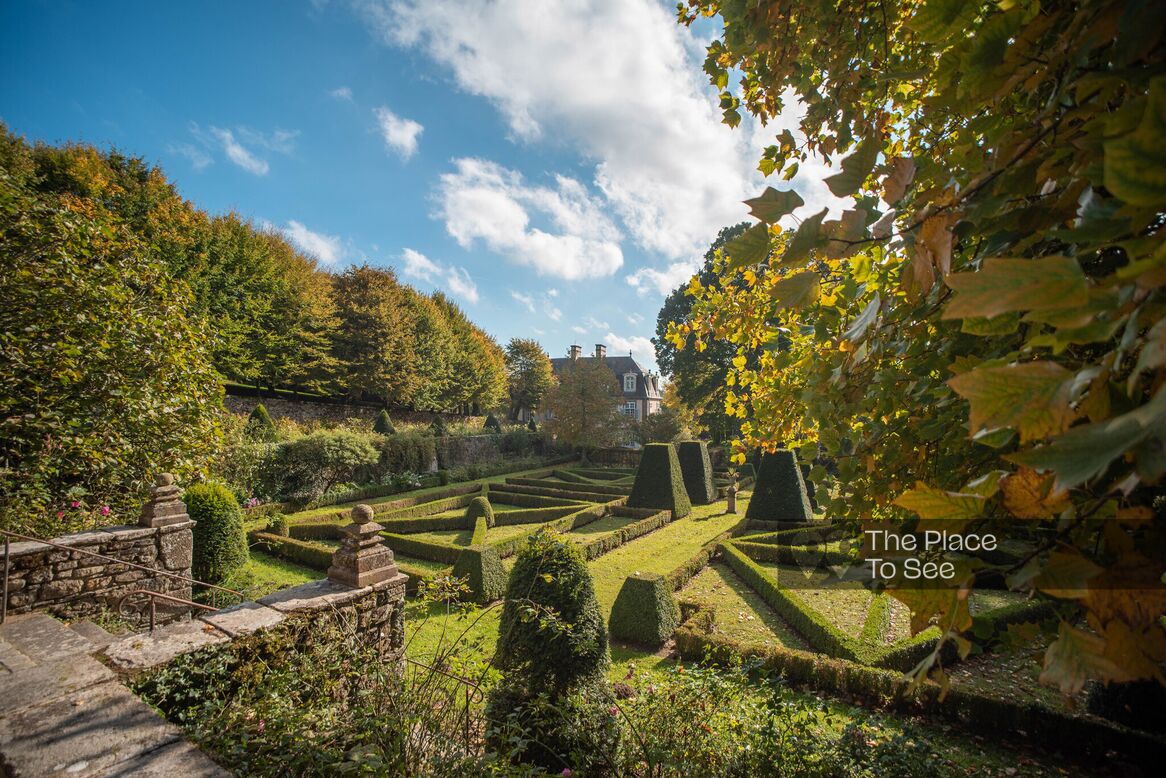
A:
259, 424
384, 425
439, 427
277, 525
659, 481
645, 612
482, 568
532, 425
697, 471
406, 453
479, 507
443, 477
313, 465
220, 545
492, 424
780, 492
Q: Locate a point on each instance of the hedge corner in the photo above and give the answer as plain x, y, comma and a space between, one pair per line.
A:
659, 482
697, 469
645, 612
479, 507
780, 492
482, 568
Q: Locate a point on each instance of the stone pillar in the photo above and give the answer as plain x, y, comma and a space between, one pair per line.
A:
732, 495
362, 559
165, 506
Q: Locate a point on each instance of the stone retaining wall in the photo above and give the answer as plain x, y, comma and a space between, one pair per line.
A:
73, 585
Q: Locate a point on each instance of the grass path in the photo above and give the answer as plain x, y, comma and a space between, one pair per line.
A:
740, 612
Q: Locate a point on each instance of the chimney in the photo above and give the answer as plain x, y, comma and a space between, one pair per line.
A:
576, 351
600, 351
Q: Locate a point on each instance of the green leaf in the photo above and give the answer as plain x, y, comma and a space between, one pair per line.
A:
796, 291
855, 168
1135, 163
1086, 451
748, 249
938, 19
1005, 285
1005, 324
860, 325
772, 205
808, 234
1032, 398
931, 503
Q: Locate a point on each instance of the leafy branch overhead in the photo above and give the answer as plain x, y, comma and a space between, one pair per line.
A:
988, 321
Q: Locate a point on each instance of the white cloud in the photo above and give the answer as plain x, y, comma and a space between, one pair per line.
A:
399, 134
551, 312
239, 154
456, 279
596, 324
640, 347
239, 145
552, 293
525, 299
485, 201
282, 141
648, 280
199, 158
326, 248
635, 319
578, 329
342, 93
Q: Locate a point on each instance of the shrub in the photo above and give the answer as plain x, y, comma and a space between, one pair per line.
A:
277, 525
517, 442
577, 733
220, 546
259, 424
645, 612
406, 453
384, 425
480, 507
532, 425
314, 464
805, 468
443, 477
659, 482
780, 492
551, 636
305, 552
492, 424
438, 427
697, 471
482, 568
481, 530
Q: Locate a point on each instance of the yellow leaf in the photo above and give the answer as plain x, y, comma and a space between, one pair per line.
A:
1028, 495
1032, 398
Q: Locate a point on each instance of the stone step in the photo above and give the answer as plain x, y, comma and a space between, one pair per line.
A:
145, 650
43, 639
94, 633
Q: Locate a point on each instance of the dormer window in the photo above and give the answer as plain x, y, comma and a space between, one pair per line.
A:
629, 382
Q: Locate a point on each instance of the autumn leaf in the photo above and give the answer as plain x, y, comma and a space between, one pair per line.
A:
1135, 163
1066, 575
936, 504
1027, 494
772, 205
1075, 657
862, 322
1032, 398
796, 291
805, 239
749, 248
1004, 285
902, 171
935, 242
855, 168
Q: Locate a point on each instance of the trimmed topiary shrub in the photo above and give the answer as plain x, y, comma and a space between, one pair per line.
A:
805, 468
220, 546
383, 424
277, 525
438, 427
259, 424
492, 424
482, 568
532, 425
479, 507
780, 492
645, 612
659, 481
697, 470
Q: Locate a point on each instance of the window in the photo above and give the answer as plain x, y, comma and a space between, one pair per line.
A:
629, 408
629, 383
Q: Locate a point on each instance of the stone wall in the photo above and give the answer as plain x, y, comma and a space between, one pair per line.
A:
70, 584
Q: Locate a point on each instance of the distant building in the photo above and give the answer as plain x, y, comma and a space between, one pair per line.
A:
641, 389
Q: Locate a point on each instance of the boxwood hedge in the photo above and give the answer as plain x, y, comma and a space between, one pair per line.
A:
697, 471
659, 482
482, 568
780, 492
645, 612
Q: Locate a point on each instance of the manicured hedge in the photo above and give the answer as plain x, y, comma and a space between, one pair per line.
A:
423, 549
388, 506
534, 515
604, 474
544, 491
426, 508
573, 477
601, 545
579, 518
383, 424
697, 471
778, 526
799, 537
645, 612
684, 573
482, 568
597, 489
499, 493
314, 555
220, 544
659, 482
481, 528
819, 555
780, 492
407, 526
479, 508
314, 531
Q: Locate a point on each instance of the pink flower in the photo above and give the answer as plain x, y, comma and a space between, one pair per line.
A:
262, 725
75, 504
566, 772
613, 710
60, 514
104, 510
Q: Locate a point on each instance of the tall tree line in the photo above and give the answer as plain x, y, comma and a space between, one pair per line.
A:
273, 317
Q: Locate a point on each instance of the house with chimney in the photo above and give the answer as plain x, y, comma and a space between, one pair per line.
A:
641, 388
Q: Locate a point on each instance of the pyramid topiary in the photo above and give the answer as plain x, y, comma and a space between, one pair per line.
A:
383, 424
220, 545
659, 481
259, 424
492, 424
479, 507
780, 492
697, 470
805, 468
645, 612
482, 568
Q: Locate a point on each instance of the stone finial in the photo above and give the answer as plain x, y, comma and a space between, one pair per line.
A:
165, 505
362, 559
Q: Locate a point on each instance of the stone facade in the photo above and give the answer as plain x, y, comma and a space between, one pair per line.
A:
74, 585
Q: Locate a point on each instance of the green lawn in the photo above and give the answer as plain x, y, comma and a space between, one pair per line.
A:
740, 612
264, 574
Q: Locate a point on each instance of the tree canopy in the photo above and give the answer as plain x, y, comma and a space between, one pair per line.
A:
981, 338
585, 404
531, 376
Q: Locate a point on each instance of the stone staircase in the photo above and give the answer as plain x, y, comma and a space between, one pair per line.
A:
62, 712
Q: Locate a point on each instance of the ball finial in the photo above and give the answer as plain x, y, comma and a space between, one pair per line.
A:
362, 514
165, 479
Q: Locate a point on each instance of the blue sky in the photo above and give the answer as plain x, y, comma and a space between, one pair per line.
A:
556, 167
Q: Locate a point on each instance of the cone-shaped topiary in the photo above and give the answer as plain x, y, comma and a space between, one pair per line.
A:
479, 506
482, 568
659, 482
780, 492
645, 612
532, 425
259, 424
492, 424
565, 645
697, 471
383, 424
809, 485
220, 546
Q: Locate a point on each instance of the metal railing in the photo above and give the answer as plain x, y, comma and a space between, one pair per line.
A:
153, 595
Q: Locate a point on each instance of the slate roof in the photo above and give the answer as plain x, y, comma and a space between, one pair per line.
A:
621, 366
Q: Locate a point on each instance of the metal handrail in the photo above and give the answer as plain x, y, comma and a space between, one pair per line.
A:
154, 597
8, 535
